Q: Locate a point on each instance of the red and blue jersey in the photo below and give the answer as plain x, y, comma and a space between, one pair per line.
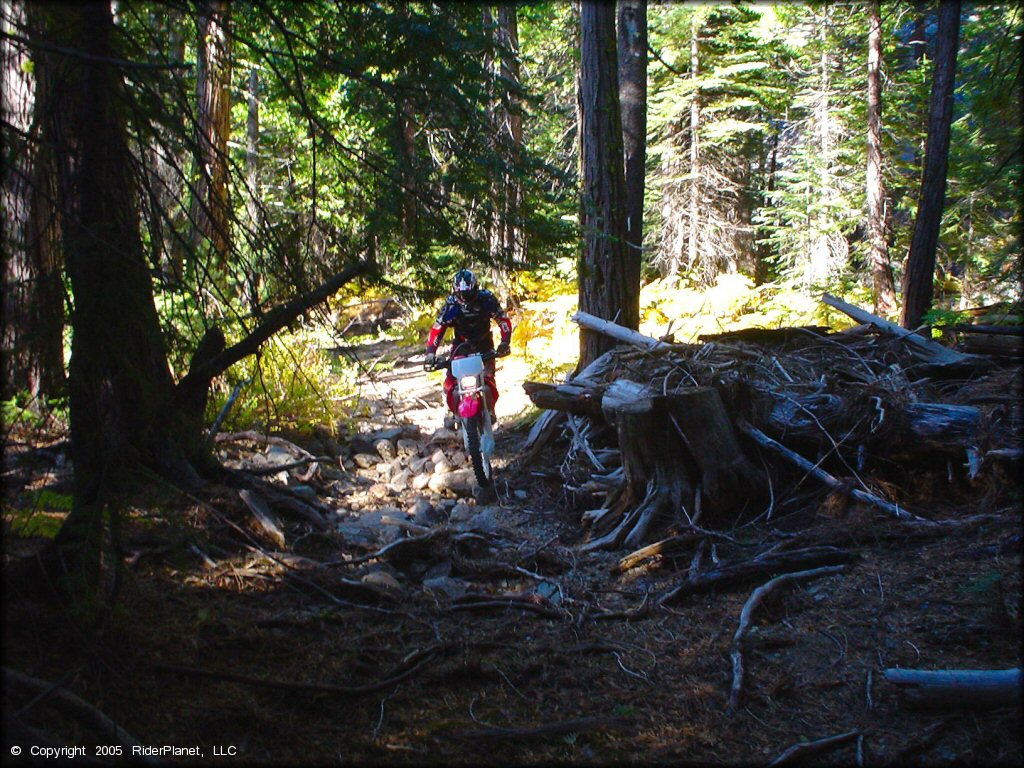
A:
471, 322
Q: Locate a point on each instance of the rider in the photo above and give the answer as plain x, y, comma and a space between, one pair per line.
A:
469, 311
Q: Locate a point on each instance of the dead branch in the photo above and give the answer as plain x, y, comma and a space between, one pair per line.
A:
479, 602
261, 511
258, 437
616, 331
199, 376
729, 574
746, 616
548, 729
282, 499
72, 706
922, 742
804, 748
402, 549
409, 666
819, 474
662, 548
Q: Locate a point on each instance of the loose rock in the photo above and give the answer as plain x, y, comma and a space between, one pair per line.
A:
366, 460
407, 448
385, 449
461, 481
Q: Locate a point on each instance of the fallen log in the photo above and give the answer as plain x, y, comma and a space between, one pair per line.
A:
998, 330
617, 332
957, 688
549, 422
940, 427
1010, 346
896, 430
936, 356
571, 398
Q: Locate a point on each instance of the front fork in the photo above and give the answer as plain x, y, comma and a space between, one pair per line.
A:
477, 409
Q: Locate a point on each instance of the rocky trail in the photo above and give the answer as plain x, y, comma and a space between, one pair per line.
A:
363, 606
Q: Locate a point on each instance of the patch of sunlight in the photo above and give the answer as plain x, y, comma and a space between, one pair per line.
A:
34, 522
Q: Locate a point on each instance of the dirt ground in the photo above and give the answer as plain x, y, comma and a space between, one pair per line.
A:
495, 641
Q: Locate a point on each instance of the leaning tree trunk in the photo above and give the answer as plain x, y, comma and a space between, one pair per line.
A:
126, 411
918, 282
605, 287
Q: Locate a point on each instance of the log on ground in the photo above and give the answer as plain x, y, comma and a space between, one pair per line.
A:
958, 688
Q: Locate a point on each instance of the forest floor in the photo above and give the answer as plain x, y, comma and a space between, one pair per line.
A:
487, 637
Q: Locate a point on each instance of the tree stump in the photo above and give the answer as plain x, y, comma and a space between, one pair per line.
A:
669, 444
729, 481
657, 470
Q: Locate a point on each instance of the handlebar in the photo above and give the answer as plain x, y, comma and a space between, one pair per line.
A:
446, 361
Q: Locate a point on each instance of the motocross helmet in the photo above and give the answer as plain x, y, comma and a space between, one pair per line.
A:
464, 286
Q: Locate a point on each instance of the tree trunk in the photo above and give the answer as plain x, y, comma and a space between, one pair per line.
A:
253, 203
33, 300
693, 225
881, 270
605, 287
513, 246
119, 380
918, 281
211, 212
657, 487
633, 99
126, 412
821, 252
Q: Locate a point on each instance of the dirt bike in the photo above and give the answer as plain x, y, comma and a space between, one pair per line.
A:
472, 408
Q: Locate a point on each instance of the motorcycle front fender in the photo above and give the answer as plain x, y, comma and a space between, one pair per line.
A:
469, 407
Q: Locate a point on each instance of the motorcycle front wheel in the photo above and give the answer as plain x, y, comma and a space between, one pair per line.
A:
481, 463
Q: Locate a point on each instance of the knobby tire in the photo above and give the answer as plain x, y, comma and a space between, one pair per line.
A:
472, 427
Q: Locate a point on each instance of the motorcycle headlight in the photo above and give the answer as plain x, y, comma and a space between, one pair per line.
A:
467, 382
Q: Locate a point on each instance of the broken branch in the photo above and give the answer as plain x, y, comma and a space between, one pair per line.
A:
746, 616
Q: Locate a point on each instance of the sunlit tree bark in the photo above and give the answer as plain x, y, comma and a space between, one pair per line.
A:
211, 215
632, 48
881, 270
513, 244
